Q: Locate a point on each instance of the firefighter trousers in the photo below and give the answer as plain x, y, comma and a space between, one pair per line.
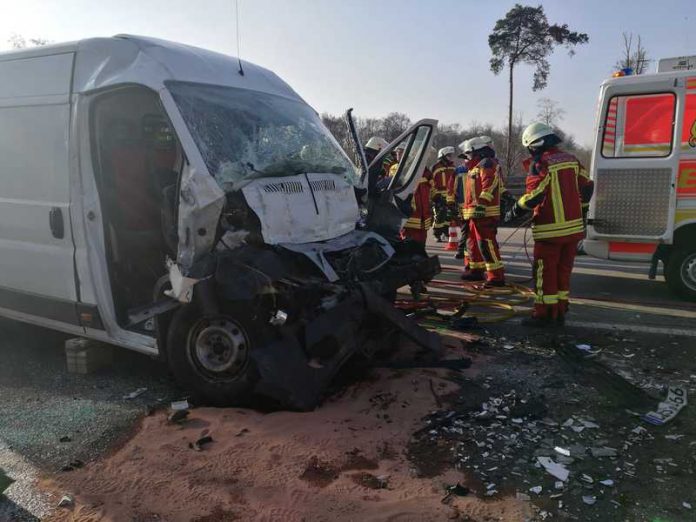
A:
440, 217
553, 264
417, 234
482, 248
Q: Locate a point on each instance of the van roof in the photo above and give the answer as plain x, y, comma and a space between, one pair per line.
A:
103, 62
648, 77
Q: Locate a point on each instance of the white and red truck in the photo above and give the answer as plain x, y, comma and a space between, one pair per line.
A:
644, 169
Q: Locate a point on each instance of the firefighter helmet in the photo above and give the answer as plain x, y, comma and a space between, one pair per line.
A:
465, 147
376, 143
444, 151
532, 135
477, 143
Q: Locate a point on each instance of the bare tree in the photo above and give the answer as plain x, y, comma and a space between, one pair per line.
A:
17, 41
550, 112
632, 57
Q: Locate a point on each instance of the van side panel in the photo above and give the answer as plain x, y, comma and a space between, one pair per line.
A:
35, 183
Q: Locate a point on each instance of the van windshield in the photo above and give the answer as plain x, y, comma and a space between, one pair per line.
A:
244, 134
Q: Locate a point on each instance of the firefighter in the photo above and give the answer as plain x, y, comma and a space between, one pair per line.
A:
481, 207
421, 218
443, 175
456, 208
373, 147
558, 190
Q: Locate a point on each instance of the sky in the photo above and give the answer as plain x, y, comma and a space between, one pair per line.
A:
428, 59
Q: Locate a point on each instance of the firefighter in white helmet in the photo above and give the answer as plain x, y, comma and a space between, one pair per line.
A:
558, 192
480, 207
443, 182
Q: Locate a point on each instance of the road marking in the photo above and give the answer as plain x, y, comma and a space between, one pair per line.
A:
632, 328
631, 307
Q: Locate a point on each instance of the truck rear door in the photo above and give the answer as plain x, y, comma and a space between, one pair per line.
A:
635, 160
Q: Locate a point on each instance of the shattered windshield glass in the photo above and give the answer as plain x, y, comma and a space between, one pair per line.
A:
244, 134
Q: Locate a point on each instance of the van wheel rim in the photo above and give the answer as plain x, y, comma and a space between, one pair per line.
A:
219, 347
688, 271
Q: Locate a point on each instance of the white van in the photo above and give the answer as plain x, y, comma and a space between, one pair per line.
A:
182, 203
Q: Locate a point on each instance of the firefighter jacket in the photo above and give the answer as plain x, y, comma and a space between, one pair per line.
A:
482, 187
443, 174
558, 188
421, 209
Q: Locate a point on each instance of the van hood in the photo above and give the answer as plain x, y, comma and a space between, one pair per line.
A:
303, 208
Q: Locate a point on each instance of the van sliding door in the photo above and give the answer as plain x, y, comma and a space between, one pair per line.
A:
37, 271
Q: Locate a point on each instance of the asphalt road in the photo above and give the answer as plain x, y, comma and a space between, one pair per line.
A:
604, 294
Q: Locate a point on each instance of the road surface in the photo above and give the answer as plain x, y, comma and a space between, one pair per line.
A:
604, 294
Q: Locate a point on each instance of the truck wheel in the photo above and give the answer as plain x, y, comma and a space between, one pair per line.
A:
680, 272
209, 355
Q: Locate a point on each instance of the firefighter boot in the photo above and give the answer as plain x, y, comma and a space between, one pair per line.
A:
536, 322
472, 275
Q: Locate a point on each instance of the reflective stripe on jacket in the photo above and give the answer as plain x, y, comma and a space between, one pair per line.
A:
482, 186
421, 209
443, 172
557, 188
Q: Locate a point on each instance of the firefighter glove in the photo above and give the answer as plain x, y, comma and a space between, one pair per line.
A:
479, 212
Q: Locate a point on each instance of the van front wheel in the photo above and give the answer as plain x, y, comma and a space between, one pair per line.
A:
209, 355
680, 272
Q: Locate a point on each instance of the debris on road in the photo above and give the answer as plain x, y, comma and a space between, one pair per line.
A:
179, 405
198, 445
178, 416
66, 501
134, 394
553, 468
669, 408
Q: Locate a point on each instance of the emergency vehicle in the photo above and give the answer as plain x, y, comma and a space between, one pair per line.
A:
644, 170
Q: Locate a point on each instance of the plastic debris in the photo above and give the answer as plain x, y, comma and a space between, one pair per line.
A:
686, 505
673, 437
178, 416
589, 499
586, 478
558, 484
553, 468
536, 490
523, 497
607, 482
562, 451
583, 347
669, 408
66, 501
134, 394
180, 405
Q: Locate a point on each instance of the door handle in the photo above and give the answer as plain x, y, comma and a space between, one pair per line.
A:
55, 220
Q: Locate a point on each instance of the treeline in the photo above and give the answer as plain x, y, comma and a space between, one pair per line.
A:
452, 134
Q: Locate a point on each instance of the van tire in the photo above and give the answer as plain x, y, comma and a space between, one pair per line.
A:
210, 355
680, 272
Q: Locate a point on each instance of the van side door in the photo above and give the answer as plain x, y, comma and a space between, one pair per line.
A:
37, 270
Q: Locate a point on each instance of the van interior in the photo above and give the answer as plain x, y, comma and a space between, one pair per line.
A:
138, 161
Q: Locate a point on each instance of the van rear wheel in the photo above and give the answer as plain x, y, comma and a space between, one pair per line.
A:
210, 355
680, 272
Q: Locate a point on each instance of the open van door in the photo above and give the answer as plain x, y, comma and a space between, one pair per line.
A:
389, 191
635, 161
